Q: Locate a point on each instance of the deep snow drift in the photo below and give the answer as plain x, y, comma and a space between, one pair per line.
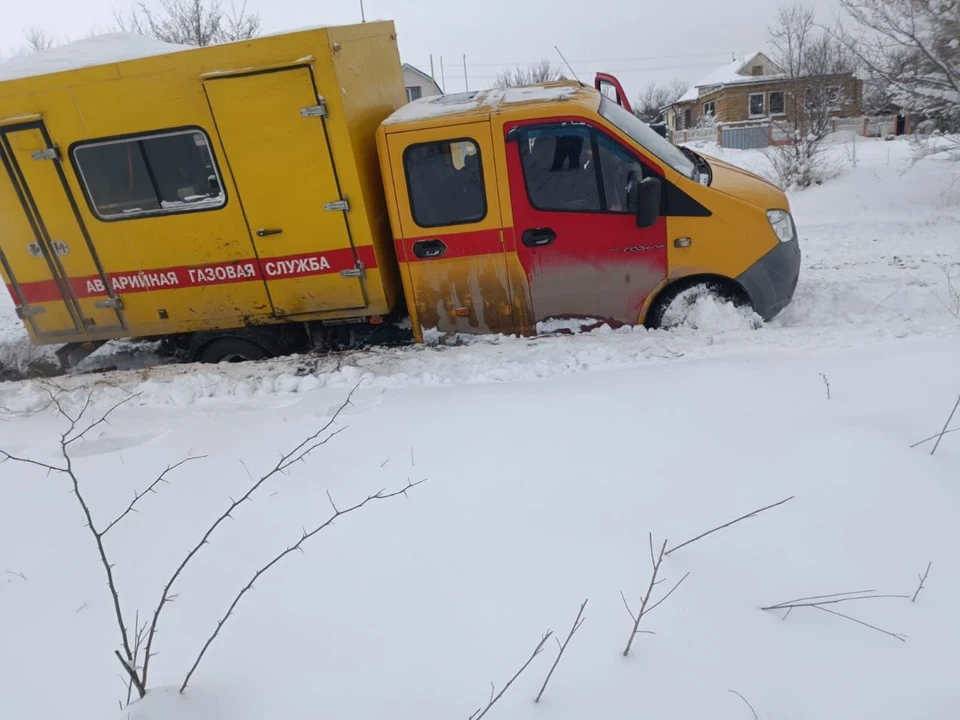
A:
548, 461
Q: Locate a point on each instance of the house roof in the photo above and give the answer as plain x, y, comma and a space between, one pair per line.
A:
421, 73
730, 74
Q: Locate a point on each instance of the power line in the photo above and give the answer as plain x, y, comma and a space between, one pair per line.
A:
613, 60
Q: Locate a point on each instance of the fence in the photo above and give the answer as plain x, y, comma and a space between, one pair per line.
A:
762, 133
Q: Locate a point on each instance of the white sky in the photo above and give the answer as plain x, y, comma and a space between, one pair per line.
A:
640, 41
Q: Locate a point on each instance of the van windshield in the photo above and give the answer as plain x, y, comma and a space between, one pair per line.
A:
647, 137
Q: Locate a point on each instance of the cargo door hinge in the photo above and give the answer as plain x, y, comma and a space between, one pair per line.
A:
26, 312
318, 110
50, 153
337, 206
115, 303
357, 271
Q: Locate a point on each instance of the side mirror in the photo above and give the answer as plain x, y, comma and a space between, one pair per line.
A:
647, 201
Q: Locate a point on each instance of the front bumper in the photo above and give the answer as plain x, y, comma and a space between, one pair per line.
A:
771, 281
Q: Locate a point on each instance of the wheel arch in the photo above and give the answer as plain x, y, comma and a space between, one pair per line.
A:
676, 286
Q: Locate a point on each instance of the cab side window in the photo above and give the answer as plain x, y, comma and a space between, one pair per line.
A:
569, 168
445, 183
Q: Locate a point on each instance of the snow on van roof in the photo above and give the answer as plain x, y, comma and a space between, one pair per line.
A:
440, 105
89, 52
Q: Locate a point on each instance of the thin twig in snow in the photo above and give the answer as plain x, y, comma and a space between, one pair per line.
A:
297, 454
819, 601
945, 426
835, 601
898, 636
577, 622
480, 712
151, 488
923, 579
936, 436
656, 561
755, 716
826, 382
732, 522
380, 495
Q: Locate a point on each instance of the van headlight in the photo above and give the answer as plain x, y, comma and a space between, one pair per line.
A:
782, 224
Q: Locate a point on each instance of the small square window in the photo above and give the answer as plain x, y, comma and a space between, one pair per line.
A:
414, 92
757, 70
445, 183
710, 108
757, 108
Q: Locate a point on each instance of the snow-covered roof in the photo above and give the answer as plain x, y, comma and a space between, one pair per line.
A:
89, 52
440, 105
729, 74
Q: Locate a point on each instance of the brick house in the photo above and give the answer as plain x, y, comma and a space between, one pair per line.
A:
755, 88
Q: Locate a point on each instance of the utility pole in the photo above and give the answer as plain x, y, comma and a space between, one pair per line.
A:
466, 83
363, 16
432, 73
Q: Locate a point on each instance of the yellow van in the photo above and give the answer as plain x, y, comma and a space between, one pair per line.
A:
278, 194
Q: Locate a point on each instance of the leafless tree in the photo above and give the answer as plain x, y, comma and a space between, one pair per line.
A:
191, 22
541, 72
815, 63
136, 642
38, 39
911, 50
656, 560
655, 96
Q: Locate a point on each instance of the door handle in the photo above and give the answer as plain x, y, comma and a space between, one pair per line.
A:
538, 237
263, 232
426, 249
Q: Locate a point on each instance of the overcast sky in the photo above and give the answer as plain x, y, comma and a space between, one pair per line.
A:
640, 41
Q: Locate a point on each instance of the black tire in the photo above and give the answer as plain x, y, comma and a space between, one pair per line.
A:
231, 349
717, 288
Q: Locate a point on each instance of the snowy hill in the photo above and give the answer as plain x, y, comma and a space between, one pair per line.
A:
547, 461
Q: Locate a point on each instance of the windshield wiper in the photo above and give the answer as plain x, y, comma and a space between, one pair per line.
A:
700, 166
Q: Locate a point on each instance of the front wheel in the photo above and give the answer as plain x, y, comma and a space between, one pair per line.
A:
676, 305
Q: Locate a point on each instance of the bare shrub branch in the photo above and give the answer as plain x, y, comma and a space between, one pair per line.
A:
819, 602
577, 622
755, 716
380, 495
923, 580
826, 383
480, 712
656, 561
151, 488
945, 426
732, 522
298, 454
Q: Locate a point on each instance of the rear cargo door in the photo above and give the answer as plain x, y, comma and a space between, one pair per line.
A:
274, 133
46, 248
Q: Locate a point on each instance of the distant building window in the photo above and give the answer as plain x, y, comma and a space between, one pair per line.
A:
757, 70
710, 108
156, 174
445, 183
777, 103
756, 105
414, 92
687, 118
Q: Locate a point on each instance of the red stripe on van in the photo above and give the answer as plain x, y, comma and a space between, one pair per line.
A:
173, 278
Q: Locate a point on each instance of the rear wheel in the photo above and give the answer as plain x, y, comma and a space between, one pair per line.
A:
675, 304
231, 349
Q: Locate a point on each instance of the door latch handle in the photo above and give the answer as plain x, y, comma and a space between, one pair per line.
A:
263, 232
428, 249
538, 237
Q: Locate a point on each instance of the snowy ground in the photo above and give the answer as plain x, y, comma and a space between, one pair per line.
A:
547, 463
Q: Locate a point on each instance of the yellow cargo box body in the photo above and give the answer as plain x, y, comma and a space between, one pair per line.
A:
148, 189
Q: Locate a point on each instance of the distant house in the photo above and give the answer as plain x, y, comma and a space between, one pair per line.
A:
753, 88
418, 83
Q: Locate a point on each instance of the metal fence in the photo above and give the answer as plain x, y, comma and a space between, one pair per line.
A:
745, 137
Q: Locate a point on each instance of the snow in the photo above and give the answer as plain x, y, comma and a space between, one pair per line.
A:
441, 105
728, 74
548, 461
96, 50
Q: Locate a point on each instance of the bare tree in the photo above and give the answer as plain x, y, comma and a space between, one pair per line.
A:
136, 642
191, 22
542, 72
650, 103
911, 51
38, 39
814, 63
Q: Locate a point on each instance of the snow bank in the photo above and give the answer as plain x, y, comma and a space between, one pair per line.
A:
97, 50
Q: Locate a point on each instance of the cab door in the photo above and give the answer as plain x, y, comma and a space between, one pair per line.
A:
47, 248
451, 248
571, 191
273, 130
